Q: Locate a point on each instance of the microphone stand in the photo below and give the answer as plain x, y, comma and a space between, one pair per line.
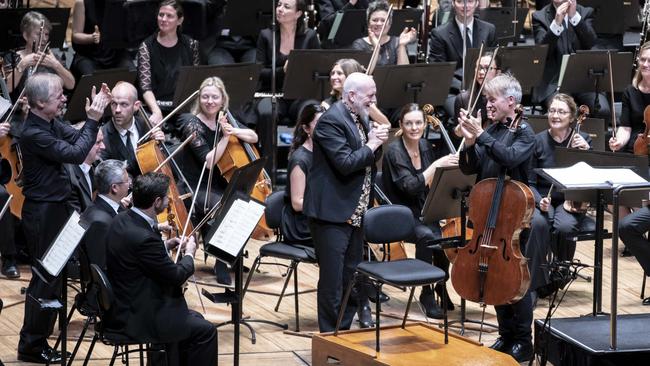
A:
514, 23
274, 100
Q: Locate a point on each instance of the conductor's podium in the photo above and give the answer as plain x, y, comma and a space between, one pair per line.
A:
416, 344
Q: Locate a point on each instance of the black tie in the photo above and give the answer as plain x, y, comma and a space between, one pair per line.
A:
129, 147
468, 38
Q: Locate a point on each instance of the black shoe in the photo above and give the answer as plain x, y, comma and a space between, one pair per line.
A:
646, 301
626, 252
223, 276
501, 345
47, 355
9, 268
521, 351
365, 317
439, 292
431, 309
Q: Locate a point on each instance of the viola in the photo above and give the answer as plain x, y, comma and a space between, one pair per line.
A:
643, 139
490, 269
577, 206
236, 155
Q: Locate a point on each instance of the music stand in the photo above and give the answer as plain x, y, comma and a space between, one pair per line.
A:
348, 26
10, 26
76, 107
257, 13
601, 159
607, 15
403, 18
308, 71
589, 71
240, 79
447, 199
526, 63
232, 251
507, 28
418, 83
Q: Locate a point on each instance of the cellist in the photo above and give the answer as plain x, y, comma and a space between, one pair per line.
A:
485, 153
202, 120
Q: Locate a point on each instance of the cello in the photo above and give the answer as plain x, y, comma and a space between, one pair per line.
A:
490, 269
643, 139
238, 154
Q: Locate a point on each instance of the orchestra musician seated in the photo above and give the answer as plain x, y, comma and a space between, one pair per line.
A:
392, 49
81, 176
208, 146
149, 305
409, 163
160, 58
7, 243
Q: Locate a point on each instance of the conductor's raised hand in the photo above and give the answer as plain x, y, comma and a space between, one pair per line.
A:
95, 109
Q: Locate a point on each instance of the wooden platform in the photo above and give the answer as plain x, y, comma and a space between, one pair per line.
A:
416, 344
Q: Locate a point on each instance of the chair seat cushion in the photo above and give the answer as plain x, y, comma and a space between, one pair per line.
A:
406, 272
289, 252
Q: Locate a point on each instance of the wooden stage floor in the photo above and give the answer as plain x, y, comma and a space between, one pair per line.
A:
273, 347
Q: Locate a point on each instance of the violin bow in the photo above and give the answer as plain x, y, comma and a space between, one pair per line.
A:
167, 117
611, 90
178, 149
375, 51
6, 206
214, 151
22, 92
478, 64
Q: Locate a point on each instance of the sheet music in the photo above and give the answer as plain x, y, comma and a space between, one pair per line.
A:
582, 174
5, 105
63, 246
237, 226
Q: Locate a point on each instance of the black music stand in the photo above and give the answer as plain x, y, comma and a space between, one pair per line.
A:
238, 191
600, 196
448, 199
257, 13
607, 15
418, 83
526, 63
508, 28
240, 80
350, 25
308, 71
404, 18
12, 37
76, 107
588, 71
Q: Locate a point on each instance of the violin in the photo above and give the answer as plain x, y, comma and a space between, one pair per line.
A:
238, 154
490, 269
643, 139
577, 206
10, 151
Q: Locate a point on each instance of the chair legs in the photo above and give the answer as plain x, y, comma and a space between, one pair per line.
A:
87, 323
643, 285
90, 349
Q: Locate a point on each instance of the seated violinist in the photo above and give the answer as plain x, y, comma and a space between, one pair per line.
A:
148, 305
25, 60
124, 128
408, 168
209, 145
563, 216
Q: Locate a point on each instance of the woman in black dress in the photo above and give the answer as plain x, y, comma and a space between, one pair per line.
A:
392, 50
408, 167
160, 58
202, 120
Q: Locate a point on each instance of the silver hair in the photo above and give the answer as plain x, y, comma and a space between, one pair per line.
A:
504, 85
39, 86
354, 82
107, 173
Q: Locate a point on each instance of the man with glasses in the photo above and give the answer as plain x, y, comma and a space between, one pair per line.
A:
123, 130
113, 184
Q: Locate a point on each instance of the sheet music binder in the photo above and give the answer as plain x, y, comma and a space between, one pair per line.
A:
59, 252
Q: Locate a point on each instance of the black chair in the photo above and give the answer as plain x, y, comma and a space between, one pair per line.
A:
104, 293
279, 249
379, 226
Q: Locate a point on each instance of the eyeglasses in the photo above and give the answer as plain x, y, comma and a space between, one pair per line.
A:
559, 112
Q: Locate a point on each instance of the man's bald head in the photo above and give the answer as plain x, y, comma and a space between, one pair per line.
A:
125, 104
359, 92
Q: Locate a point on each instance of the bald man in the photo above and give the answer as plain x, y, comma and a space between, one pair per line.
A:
125, 127
337, 195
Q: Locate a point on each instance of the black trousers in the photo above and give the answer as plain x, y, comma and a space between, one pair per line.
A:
339, 248
564, 224
515, 320
82, 65
41, 222
631, 229
199, 348
7, 244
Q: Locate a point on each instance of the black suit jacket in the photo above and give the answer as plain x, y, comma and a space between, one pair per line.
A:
446, 43
580, 37
339, 165
97, 219
144, 280
115, 148
81, 196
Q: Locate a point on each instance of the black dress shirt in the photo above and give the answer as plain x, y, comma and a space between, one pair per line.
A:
497, 147
46, 146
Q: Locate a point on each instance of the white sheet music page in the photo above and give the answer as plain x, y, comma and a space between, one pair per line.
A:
582, 174
65, 243
237, 226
